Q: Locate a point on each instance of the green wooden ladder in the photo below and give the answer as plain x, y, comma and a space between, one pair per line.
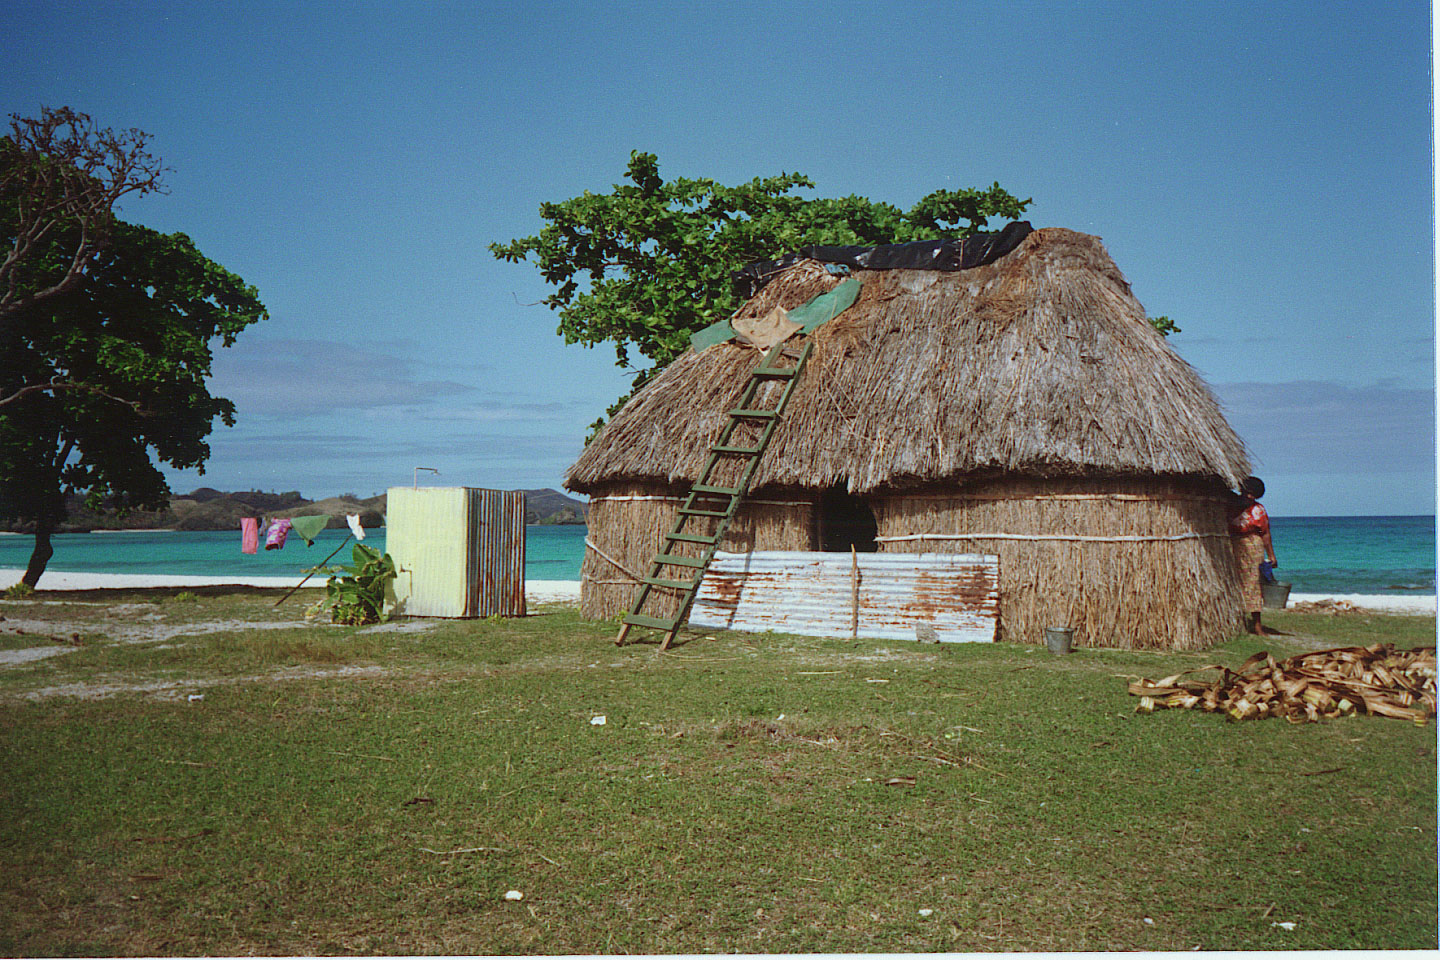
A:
706, 501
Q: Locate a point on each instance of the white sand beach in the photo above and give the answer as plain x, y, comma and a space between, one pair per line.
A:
536, 591
552, 591
1385, 603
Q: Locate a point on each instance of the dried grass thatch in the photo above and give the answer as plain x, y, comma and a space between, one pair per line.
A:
1039, 364
1126, 563
1378, 680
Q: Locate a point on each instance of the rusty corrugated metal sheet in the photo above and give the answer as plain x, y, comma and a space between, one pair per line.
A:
458, 551
956, 595
499, 582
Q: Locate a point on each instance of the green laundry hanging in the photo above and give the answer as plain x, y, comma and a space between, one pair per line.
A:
308, 528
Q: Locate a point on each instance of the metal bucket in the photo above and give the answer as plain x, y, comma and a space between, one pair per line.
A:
1274, 596
1059, 639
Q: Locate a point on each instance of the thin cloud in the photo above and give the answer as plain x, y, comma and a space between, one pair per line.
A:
1312, 426
495, 411
321, 464
306, 377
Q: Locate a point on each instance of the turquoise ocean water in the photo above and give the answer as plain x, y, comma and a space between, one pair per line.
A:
551, 553
1367, 555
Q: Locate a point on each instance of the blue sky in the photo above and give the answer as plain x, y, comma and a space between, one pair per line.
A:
1261, 172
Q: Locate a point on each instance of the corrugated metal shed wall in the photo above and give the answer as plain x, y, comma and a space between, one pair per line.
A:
955, 595
499, 581
459, 551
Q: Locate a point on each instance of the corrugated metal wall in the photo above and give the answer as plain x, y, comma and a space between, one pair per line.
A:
499, 548
459, 551
891, 596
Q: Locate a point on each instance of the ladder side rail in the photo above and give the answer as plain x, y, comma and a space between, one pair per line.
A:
765, 371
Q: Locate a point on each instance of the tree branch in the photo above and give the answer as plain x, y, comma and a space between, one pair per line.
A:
60, 168
54, 385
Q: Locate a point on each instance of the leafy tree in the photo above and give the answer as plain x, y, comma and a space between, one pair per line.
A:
110, 371
647, 264
1164, 325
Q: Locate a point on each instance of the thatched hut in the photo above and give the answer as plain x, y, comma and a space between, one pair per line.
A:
1023, 408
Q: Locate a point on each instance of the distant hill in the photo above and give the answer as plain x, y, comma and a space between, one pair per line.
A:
211, 509
370, 509
553, 507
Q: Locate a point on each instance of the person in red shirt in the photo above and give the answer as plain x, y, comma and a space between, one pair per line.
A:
1250, 542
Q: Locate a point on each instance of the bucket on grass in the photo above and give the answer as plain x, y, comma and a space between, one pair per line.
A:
1059, 639
1274, 596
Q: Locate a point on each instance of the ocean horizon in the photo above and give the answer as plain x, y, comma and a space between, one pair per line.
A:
1388, 555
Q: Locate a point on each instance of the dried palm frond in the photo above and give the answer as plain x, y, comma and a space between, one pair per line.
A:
1327, 606
1378, 680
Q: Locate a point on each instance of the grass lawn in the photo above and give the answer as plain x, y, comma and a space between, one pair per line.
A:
209, 775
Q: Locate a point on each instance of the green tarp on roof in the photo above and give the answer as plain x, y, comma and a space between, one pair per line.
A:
825, 307
819, 309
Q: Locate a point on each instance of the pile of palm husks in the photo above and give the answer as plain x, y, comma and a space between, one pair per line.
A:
1377, 680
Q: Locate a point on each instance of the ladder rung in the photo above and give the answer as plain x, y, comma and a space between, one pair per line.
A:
691, 537
673, 584
679, 561
709, 493
716, 491
655, 623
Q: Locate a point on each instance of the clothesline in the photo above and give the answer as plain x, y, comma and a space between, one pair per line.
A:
611, 560
277, 530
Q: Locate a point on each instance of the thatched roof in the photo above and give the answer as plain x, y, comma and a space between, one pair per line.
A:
1039, 364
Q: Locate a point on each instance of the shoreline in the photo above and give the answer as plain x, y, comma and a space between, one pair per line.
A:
550, 591
1383, 602
538, 591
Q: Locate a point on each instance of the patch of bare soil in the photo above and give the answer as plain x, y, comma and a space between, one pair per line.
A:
145, 632
9, 658
184, 689
401, 626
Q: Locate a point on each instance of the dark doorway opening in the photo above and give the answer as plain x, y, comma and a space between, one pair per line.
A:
846, 521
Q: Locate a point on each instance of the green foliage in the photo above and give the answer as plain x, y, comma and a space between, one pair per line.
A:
358, 594
644, 266
1164, 325
98, 384
19, 591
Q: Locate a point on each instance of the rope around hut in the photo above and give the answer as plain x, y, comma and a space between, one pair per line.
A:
1378, 680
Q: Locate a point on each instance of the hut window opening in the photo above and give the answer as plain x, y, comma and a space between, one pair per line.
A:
846, 521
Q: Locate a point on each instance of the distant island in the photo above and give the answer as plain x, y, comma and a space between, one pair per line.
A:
210, 509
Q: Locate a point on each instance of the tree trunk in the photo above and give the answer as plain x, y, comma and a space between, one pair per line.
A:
51, 512
42, 553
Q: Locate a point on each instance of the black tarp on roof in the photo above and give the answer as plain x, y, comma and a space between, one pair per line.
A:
964, 254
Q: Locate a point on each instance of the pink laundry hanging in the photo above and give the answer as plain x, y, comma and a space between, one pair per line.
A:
275, 536
249, 534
